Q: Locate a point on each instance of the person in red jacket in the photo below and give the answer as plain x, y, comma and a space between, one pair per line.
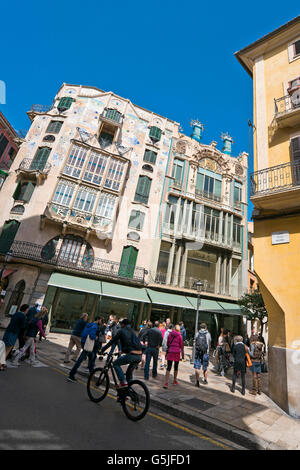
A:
175, 347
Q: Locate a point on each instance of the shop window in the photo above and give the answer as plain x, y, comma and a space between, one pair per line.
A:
128, 262
16, 298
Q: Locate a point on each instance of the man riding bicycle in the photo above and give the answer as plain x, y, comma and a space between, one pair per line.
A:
131, 351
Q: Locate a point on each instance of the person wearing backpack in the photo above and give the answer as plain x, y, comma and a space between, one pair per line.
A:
256, 353
131, 348
202, 346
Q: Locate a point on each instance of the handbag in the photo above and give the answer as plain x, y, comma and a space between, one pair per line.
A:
89, 344
264, 367
169, 345
248, 360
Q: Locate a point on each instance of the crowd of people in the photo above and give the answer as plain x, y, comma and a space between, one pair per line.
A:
158, 341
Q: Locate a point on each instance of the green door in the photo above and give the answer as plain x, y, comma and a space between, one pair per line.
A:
128, 261
8, 234
40, 159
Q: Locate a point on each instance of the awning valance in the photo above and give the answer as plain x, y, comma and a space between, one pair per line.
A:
170, 300
81, 284
206, 305
120, 291
230, 308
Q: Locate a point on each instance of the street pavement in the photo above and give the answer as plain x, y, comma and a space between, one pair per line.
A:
253, 422
40, 410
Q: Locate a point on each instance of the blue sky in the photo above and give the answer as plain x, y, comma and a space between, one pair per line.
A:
175, 58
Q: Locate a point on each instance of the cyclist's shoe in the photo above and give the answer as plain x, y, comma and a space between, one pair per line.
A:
72, 379
175, 382
122, 385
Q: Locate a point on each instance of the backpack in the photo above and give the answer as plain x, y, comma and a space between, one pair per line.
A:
137, 345
258, 351
201, 343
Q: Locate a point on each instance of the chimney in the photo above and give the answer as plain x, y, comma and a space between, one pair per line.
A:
198, 128
227, 143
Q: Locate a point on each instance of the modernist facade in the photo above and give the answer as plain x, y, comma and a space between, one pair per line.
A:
274, 64
89, 204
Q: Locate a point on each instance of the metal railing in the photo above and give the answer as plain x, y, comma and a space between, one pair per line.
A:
207, 195
286, 104
28, 164
94, 266
275, 178
40, 108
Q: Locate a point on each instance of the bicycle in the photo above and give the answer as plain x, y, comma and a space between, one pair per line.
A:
134, 399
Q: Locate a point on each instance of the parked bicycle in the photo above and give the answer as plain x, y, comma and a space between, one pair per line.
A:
134, 399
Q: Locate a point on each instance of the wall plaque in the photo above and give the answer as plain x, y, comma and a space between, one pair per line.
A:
280, 237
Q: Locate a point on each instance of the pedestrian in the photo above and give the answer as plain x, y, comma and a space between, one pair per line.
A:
256, 353
153, 338
16, 324
75, 338
182, 331
164, 347
90, 334
33, 327
221, 338
202, 347
168, 323
45, 320
239, 365
141, 335
174, 350
2, 356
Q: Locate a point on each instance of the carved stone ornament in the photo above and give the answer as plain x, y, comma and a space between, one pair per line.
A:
239, 170
181, 147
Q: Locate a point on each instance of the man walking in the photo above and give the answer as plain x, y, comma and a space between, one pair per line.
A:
153, 337
203, 342
75, 339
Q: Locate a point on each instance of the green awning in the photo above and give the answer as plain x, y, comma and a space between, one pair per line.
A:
3, 173
120, 291
171, 300
81, 284
206, 305
231, 309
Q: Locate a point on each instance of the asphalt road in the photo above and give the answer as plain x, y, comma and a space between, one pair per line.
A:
39, 409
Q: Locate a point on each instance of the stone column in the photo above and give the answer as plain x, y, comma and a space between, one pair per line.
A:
183, 268
170, 263
224, 268
218, 274
177, 266
229, 274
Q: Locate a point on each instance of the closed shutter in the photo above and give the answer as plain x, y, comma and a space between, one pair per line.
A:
113, 114
128, 262
143, 190
28, 192
17, 191
155, 133
150, 156
296, 160
54, 127
40, 159
8, 235
64, 103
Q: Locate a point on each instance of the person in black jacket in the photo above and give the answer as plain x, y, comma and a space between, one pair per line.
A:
75, 338
153, 337
239, 365
128, 339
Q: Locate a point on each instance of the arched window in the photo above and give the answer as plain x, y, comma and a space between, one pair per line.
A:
48, 251
71, 249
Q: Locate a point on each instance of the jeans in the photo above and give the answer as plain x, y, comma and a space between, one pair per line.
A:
122, 361
151, 352
84, 354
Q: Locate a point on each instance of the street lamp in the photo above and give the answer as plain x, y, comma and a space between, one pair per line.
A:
7, 260
199, 285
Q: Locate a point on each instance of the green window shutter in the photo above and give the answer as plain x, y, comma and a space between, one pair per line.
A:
28, 192
143, 189
155, 133
40, 159
54, 127
64, 103
17, 191
128, 262
150, 156
113, 114
8, 235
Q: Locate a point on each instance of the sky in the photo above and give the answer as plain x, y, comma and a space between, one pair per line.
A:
173, 58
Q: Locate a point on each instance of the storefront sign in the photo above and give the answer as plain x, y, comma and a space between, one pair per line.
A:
280, 237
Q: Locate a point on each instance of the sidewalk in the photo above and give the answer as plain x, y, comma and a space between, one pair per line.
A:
255, 422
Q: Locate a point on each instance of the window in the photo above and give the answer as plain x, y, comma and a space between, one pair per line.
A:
70, 249
128, 262
106, 205
75, 161
40, 159
18, 209
147, 168
114, 175
295, 145
177, 171
211, 223
297, 47
113, 114
136, 220
106, 136
85, 199
64, 103
24, 191
8, 234
95, 168
3, 144
237, 195
237, 229
54, 127
209, 186
64, 192
150, 156
143, 189
155, 133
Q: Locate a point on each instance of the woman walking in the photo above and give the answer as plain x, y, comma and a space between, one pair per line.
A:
17, 323
174, 350
239, 366
256, 352
32, 330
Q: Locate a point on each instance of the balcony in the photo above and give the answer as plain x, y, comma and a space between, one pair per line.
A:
287, 110
112, 116
29, 167
97, 267
276, 187
207, 195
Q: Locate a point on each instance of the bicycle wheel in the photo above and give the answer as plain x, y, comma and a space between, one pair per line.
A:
98, 385
137, 401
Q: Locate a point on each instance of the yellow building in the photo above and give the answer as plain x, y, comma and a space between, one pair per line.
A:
274, 63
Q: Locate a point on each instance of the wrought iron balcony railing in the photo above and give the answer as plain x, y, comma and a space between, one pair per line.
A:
207, 195
286, 104
28, 164
275, 178
95, 266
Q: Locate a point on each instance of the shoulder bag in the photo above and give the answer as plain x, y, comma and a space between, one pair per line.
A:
89, 344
